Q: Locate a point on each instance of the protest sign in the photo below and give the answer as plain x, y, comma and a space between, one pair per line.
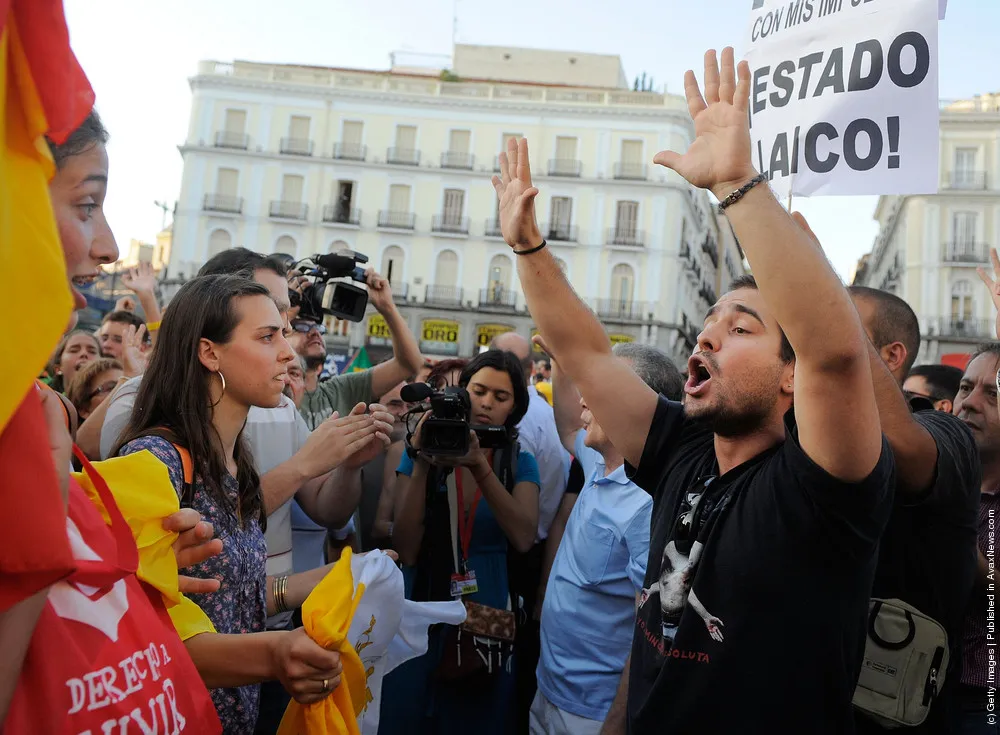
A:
844, 95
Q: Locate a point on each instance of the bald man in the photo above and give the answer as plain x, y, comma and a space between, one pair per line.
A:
538, 434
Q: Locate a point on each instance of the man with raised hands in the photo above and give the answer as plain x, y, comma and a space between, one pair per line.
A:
765, 524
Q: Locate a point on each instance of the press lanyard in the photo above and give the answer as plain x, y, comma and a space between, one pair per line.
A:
466, 521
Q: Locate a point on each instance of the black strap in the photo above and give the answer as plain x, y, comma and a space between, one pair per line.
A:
879, 640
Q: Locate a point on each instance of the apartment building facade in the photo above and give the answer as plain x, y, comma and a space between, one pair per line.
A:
396, 165
928, 247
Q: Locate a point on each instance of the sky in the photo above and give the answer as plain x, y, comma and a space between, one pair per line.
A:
139, 55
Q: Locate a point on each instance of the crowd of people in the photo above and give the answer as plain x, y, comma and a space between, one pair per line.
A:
788, 534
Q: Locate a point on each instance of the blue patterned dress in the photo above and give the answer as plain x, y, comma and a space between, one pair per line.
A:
239, 606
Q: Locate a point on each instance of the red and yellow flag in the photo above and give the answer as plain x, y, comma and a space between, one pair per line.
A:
44, 92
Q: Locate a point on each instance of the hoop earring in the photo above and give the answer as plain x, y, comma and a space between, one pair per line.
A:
223, 379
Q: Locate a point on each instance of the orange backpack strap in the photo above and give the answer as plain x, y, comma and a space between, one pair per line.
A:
186, 465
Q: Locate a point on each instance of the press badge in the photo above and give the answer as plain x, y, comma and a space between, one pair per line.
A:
464, 584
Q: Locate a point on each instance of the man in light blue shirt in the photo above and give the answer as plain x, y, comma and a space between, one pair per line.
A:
588, 613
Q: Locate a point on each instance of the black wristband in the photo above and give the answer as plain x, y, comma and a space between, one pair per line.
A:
741, 192
531, 250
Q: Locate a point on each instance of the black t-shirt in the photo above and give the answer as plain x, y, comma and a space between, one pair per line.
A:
927, 555
770, 636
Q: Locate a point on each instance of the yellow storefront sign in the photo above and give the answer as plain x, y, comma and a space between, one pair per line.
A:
377, 327
439, 336
620, 338
486, 332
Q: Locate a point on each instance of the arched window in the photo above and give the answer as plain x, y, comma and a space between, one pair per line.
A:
622, 284
961, 300
338, 245
446, 270
392, 264
286, 245
498, 276
218, 241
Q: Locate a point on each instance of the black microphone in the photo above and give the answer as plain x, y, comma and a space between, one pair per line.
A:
416, 392
335, 263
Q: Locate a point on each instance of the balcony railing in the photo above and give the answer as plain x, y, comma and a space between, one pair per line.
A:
400, 290
498, 297
561, 232
966, 180
685, 253
631, 171
565, 167
350, 151
443, 295
289, 210
457, 159
223, 203
966, 252
626, 236
337, 214
620, 309
226, 139
397, 220
969, 328
403, 156
492, 228
496, 164
296, 146
707, 293
450, 224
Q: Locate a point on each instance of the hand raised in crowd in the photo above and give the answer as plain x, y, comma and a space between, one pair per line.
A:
125, 303
133, 357
517, 197
308, 672
60, 442
379, 291
337, 439
719, 159
195, 544
141, 279
383, 421
993, 284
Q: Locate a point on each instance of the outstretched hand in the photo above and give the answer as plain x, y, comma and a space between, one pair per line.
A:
993, 284
517, 197
719, 159
141, 279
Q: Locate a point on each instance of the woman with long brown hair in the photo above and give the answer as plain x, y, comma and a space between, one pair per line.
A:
220, 351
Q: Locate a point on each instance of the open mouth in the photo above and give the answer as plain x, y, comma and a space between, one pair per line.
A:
699, 376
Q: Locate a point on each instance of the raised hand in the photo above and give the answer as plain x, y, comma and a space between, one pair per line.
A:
517, 197
140, 279
337, 439
993, 284
125, 303
383, 421
719, 159
133, 358
195, 544
379, 291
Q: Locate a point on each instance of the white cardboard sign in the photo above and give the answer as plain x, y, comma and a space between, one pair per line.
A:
844, 95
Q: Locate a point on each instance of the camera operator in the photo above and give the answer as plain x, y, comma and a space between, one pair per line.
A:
456, 517
341, 392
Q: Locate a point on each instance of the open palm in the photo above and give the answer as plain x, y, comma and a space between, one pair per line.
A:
719, 158
517, 197
992, 282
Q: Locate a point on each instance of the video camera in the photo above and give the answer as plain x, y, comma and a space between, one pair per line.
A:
446, 431
342, 299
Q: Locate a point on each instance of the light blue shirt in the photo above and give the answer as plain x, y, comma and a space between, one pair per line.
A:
589, 610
